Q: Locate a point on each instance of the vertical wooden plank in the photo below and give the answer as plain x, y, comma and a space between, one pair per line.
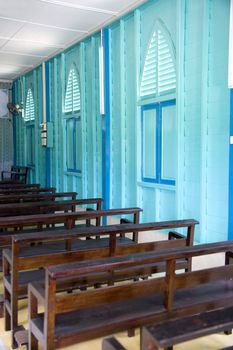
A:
49, 315
169, 284
123, 111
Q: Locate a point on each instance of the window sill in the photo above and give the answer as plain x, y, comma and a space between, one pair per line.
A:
73, 173
157, 186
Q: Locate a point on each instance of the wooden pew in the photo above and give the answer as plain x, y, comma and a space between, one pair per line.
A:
170, 332
87, 314
39, 222
41, 207
22, 257
34, 190
35, 197
15, 184
28, 222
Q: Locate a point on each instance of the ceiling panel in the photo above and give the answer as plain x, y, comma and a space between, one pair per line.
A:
15, 59
8, 28
48, 35
31, 31
2, 43
19, 9
67, 17
30, 48
9, 71
115, 6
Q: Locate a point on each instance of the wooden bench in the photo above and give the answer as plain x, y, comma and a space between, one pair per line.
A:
21, 258
17, 172
41, 207
39, 222
33, 190
91, 313
15, 184
44, 207
35, 197
171, 332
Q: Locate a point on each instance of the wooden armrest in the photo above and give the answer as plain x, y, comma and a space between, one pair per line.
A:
125, 221
6, 253
228, 257
37, 289
175, 235
111, 344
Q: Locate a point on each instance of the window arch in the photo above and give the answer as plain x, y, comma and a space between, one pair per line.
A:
30, 107
72, 96
158, 110
159, 73
72, 123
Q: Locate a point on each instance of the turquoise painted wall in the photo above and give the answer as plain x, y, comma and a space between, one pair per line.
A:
199, 31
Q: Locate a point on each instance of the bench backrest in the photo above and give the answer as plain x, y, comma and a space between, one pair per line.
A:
41, 221
35, 257
34, 197
29, 190
167, 286
11, 185
68, 219
42, 207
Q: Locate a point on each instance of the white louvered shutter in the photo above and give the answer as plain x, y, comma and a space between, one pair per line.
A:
72, 98
30, 107
159, 74
148, 83
166, 66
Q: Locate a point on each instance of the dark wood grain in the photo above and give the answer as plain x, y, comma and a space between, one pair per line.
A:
97, 312
52, 252
171, 332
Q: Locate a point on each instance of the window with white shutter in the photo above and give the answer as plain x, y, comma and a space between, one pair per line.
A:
159, 74
72, 120
158, 110
72, 97
30, 107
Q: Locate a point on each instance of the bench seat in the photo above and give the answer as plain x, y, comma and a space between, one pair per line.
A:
102, 320
171, 332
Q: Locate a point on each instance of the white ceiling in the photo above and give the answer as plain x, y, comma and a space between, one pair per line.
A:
31, 31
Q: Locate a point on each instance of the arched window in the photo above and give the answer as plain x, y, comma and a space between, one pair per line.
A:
158, 129
30, 107
159, 74
72, 98
72, 115
29, 117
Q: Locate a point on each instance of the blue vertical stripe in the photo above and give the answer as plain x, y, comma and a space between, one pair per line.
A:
14, 123
47, 96
230, 214
106, 124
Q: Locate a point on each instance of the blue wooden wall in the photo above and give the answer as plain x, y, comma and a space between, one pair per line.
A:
198, 30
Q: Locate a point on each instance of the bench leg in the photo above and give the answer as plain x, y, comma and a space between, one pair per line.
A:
32, 342
1, 306
131, 332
